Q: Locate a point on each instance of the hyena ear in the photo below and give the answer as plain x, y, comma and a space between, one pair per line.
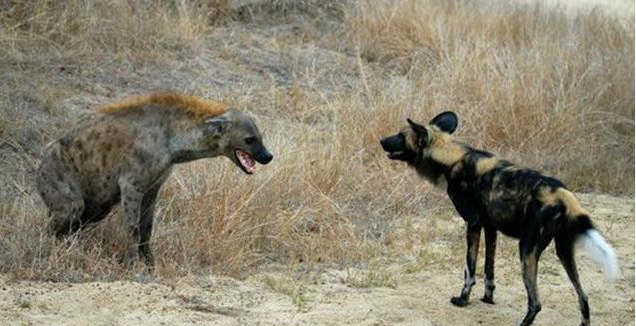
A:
217, 126
445, 121
420, 132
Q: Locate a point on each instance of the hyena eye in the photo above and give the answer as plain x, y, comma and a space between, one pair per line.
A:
250, 140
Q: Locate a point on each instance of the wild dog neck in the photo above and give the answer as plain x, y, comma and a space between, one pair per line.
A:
439, 157
430, 149
444, 150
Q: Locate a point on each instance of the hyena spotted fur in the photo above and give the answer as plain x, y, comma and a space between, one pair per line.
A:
495, 195
126, 152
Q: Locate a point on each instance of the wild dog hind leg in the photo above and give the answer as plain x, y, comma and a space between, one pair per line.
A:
530, 249
489, 268
565, 251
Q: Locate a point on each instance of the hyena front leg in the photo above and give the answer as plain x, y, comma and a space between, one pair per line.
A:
489, 269
145, 225
472, 240
131, 199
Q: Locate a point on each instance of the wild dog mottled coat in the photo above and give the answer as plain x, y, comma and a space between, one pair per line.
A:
495, 195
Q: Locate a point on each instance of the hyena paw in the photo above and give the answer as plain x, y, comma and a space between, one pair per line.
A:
148, 258
488, 300
131, 258
459, 301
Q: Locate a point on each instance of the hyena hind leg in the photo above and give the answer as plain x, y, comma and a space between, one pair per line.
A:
64, 200
63, 222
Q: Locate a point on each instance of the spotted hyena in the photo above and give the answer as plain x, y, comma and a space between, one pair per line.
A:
126, 152
495, 195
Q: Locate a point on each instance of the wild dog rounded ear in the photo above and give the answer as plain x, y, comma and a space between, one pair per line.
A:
420, 132
445, 121
217, 126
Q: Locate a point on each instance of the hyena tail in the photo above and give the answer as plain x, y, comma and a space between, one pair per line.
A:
593, 243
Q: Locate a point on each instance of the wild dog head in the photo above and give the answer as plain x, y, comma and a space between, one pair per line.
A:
238, 138
428, 148
413, 139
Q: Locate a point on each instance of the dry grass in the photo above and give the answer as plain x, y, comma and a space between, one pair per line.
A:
544, 88
83, 32
534, 84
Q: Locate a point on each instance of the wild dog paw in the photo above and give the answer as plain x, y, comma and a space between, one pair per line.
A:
487, 300
459, 301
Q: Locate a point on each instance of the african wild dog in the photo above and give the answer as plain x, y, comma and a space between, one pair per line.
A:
493, 194
127, 151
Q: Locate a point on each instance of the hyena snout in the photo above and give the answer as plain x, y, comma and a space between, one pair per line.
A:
263, 156
246, 158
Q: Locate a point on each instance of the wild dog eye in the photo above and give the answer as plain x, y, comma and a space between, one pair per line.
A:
250, 140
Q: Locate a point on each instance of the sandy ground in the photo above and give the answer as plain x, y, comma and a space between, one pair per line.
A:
328, 297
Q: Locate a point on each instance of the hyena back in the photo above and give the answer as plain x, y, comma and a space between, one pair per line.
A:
495, 195
126, 152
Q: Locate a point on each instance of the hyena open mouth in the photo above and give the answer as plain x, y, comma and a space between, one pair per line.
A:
247, 162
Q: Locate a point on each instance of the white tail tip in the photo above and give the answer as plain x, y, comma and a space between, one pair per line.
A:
601, 252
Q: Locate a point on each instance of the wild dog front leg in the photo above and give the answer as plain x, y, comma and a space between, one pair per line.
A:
131, 200
529, 256
491, 246
472, 240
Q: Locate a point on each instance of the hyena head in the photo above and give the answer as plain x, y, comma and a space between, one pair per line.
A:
237, 138
428, 148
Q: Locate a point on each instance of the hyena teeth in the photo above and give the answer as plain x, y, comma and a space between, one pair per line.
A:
246, 160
